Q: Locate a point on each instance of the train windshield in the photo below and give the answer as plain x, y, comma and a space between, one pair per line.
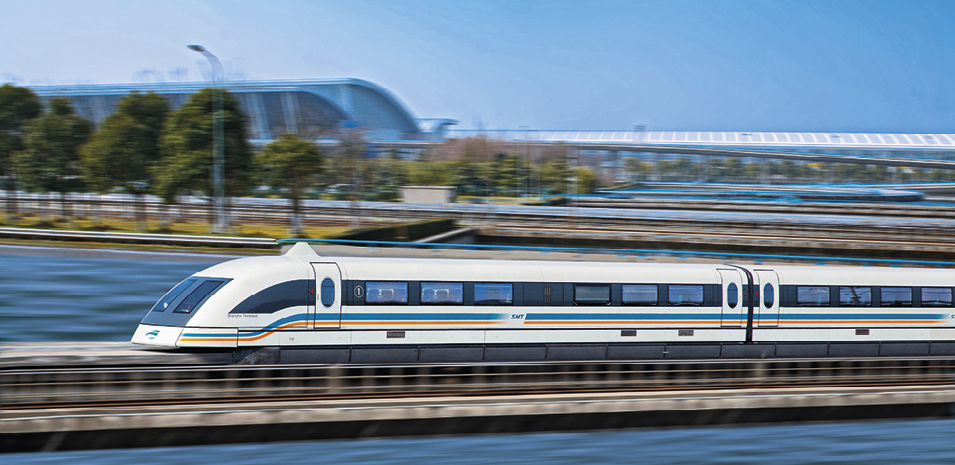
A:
198, 296
171, 295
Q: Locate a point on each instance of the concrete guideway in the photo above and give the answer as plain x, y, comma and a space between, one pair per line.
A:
161, 426
171, 399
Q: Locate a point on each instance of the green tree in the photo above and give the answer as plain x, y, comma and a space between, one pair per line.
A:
291, 164
124, 150
50, 161
186, 147
18, 105
586, 181
506, 173
555, 174
467, 177
637, 169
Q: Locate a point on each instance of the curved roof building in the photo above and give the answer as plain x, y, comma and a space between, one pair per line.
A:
310, 108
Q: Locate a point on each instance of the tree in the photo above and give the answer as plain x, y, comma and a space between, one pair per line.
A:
186, 149
507, 176
126, 148
586, 180
50, 161
291, 164
555, 173
18, 105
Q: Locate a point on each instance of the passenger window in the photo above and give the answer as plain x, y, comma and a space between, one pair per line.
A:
732, 295
640, 294
896, 296
685, 295
854, 296
328, 292
442, 293
386, 293
171, 295
936, 297
198, 296
493, 294
591, 294
768, 296
812, 296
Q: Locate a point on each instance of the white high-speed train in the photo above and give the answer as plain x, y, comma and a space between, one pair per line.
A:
306, 308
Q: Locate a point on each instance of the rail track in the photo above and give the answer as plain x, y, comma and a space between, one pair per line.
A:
319, 212
184, 385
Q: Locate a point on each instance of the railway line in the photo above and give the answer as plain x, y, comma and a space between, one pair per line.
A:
84, 408
103, 388
257, 210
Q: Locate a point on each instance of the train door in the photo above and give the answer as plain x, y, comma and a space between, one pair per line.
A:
734, 309
769, 298
328, 298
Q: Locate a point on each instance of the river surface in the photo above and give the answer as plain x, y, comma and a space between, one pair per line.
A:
872, 443
62, 295
83, 295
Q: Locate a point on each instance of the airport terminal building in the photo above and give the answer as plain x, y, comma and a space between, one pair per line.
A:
313, 109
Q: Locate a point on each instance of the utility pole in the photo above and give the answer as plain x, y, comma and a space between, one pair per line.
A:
219, 225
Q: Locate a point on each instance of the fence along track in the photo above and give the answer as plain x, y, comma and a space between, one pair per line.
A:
256, 211
73, 387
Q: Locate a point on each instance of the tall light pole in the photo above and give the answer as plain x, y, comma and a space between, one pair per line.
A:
218, 143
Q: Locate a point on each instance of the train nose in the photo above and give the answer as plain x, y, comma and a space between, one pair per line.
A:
156, 336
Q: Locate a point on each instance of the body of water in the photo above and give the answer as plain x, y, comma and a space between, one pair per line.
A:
62, 295
872, 443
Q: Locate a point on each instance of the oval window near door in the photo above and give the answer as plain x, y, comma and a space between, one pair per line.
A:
732, 295
328, 292
768, 298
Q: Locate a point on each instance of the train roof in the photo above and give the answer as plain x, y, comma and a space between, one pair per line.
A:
862, 275
443, 269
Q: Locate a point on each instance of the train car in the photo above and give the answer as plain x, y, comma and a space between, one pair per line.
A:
305, 308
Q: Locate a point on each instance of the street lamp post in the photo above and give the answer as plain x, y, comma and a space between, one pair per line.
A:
218, 143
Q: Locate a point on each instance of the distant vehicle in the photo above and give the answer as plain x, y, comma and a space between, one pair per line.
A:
354, 310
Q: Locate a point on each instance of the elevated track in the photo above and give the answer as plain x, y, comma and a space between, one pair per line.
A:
92, 408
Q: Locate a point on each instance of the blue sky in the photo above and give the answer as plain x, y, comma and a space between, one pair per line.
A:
848, 66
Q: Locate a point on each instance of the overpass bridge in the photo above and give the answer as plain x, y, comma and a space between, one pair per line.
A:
926, 151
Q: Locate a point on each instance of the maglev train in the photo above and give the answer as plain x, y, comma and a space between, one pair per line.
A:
304, 308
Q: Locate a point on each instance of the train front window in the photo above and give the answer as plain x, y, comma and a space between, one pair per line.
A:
896, 296
172, 294
936, 297
198, 296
